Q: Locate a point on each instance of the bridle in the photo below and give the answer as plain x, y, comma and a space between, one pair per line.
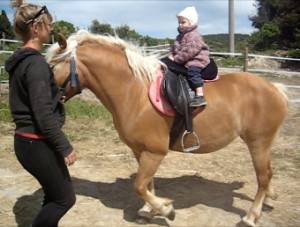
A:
72, 78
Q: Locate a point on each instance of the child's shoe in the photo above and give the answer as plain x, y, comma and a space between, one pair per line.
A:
198, 101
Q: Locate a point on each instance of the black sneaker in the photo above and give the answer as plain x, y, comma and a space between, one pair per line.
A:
198, 101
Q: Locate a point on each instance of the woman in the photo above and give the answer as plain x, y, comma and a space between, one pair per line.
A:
40, 145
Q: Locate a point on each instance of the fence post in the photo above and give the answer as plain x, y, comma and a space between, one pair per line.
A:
245, 59
2, 60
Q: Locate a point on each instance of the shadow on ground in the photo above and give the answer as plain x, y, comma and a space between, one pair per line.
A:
185, 191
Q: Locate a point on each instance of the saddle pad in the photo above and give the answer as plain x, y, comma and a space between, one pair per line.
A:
157, 100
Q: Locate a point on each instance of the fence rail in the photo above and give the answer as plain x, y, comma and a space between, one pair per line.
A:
162, 50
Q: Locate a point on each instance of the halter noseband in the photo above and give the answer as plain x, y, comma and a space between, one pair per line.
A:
72, 77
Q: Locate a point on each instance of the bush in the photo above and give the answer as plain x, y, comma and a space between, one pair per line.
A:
294, 53
230, 62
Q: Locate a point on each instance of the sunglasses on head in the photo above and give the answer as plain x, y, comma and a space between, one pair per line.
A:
39, 13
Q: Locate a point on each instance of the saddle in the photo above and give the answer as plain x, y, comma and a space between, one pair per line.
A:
176, 90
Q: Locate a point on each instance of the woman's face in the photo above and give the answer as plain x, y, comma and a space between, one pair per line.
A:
45, 29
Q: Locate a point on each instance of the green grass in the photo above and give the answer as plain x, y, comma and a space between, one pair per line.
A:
4, 110
75, 108
3, 76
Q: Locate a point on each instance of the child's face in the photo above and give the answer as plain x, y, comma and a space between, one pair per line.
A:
183, 22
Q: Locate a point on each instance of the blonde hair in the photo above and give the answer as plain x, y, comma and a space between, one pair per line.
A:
25, 13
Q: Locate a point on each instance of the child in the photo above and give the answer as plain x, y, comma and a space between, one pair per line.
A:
190, 50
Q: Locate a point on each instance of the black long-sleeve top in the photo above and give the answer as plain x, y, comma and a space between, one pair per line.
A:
32, 89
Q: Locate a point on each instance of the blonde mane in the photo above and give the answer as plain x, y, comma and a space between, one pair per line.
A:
141, 64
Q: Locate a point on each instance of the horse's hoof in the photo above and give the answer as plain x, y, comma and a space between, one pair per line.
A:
141, 221
248, 222
268, 204
147, 216
171, 216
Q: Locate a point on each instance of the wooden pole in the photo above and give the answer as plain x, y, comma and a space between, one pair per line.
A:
231, 25
2, 56
245, 59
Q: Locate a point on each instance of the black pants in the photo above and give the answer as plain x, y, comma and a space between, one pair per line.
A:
49, 169
210, 72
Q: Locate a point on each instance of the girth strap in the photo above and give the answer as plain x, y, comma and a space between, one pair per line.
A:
183, 117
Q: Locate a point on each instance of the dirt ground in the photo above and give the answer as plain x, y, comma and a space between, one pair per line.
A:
214, 189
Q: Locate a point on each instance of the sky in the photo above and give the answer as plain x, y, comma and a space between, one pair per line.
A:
156, 19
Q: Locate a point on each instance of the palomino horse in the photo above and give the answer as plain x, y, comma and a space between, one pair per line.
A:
119, 74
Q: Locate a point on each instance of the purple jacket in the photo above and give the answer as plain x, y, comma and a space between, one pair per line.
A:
189, 48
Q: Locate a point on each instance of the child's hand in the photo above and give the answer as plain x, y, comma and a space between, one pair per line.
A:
171, 57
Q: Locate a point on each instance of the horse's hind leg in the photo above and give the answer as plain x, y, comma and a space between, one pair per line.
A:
271, 193
259, 151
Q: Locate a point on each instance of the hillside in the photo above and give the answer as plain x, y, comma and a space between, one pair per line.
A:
220, 42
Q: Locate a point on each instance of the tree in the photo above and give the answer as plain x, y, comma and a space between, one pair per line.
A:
125, 32
278, 23
101, 28
5, 26
265, 13
288, 21
62, 27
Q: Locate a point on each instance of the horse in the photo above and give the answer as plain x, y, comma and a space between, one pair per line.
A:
119, 73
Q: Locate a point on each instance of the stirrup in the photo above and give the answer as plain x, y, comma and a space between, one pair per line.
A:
193, 148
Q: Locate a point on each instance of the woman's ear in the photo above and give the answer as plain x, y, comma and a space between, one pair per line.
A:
34, 28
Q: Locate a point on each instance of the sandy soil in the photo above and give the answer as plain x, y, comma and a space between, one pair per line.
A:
215, 189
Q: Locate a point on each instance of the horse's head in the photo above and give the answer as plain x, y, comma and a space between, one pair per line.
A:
88, 60
61, 58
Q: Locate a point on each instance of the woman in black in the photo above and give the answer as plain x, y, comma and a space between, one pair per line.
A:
40, 145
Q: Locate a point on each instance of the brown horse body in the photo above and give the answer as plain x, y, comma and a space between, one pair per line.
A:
239, 104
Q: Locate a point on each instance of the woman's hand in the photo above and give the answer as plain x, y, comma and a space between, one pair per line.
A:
70, 159
62, 99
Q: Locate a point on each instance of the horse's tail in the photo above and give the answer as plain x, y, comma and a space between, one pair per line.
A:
283, 91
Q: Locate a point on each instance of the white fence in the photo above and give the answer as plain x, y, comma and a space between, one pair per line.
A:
162, 50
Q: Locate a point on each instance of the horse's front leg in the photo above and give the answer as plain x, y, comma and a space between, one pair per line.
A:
144, 187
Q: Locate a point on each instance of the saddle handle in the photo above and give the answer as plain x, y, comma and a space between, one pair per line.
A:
192, 148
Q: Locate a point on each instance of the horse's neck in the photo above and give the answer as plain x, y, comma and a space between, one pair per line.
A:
112, 82
121, 99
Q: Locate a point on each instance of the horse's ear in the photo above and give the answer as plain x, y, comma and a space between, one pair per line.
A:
61, 41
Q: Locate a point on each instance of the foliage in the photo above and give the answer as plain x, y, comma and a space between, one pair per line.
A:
278, 24
5, 27
266, 37
220, 42
62, 27
229, 61
125, 32
101, 28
